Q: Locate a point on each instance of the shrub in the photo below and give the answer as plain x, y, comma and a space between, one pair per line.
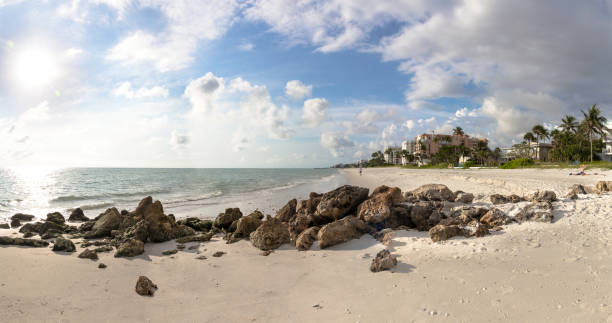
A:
469, 164
518, 163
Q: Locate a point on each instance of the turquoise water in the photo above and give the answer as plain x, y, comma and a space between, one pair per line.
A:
185, 192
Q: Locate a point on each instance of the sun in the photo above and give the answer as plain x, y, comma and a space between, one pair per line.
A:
34, 68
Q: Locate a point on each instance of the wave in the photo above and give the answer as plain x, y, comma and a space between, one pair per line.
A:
74, 198
194, 199
96, 206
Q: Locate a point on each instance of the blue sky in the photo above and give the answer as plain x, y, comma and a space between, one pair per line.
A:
279, 83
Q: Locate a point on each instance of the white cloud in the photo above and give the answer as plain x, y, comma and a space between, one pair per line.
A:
201, 93
336, 143
178, 140
73, 52
125, 90
259, 107
409, 124
314, 112
37, 113
297, 90
246, 46
240, 140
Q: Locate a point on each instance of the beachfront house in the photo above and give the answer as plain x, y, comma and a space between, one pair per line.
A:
536, 151
606, 151
408, 150
393, 155
430, 144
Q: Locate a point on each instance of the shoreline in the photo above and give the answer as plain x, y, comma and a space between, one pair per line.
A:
527, 272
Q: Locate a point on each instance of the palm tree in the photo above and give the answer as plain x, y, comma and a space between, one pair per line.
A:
458, 131
529, 137
594, 123
569, 124
540, 132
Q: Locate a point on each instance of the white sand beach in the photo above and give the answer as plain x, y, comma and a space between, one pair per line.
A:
533, 272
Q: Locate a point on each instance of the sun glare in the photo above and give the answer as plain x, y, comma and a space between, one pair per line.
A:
34, 68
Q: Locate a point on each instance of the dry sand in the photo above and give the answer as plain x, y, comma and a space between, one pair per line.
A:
557, 272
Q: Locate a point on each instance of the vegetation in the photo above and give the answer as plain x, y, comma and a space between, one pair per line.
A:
518, 163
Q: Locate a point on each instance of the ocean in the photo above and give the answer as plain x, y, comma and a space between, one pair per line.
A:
183, 192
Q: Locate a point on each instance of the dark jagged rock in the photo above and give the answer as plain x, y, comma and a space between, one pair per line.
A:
224, 220
247, 224
169, 252
51, 234
87, 226
145, 287
218, 254
196, 238
464, 215
104, 249
542, 196
102, 266
155, 226
15, 223
339, 203
89, 254
107, 222
384, 260
196, 224
305, 240
535, 212
300, 222
515, 198
343, 230
5, 225
23, 242
130, 248
463, 197
433, 192
56, 217
495, 217
180, 246
384, 236
77, 215
498, 199
376, 210
271, 234
62, 244
479, 229
604, 186
444, 232
425, 214
23, 217
287, 212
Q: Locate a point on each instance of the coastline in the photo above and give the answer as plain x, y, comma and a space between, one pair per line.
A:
527, 272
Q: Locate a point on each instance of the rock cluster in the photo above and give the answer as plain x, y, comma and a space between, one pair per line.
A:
145, 287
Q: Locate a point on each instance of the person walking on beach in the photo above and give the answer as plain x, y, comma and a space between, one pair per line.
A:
360, 169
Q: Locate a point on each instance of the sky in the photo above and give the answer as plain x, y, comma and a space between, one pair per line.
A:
285, 83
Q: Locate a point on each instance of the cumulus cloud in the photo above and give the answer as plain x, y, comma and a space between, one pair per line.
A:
246, 46
297, 90
336, 143
178, 140
202, 91
409, 124
126, 90
314, 112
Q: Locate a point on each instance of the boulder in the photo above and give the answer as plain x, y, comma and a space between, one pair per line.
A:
15, 223
305, 240
479, 229
343, 230
425, 214
515, 198
444, 232
340, 202
77, 215
158, 226
130, 248
271, 234
224, 220
376, 210
145, 287
23, 242
23, 217
604, 186
196, 238
384, 236
247, 224
384, 260
287, 212
62, 244
498, 199
433, 192
309, 206
89, 254
56, 217
535, 212
576, 189
51, 234
107, 222
5, 225
495, 217
196, 224
169, 252
218, 254
542, 196
463, 197
300, 223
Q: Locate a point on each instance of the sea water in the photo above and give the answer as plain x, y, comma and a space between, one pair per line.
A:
183, 192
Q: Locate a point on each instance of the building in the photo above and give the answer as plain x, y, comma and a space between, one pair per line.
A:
533, 150
409, 147
606, 151
430, 144
393, 155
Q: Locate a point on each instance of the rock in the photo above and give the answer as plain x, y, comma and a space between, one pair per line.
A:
23, 217
23, 242
376, 210
103, 249
169, 252
384, 236
15, 223
305, 240
62, 244
247, 224
218, 254
266, 253
340, 231
77, 215
224, 220
145, 287
604, 186
300, 223
536, 212
51, 234
515, 198
196, 238
107, 222
433, 192
130, 248
202, 257
498, 199
480, 229
542, 196
102, 266
89, 254
180, 246
445, 232
87, 226
495, 217
463, 197
271, 234
340, 202
384, 260
425, 214
5, 225
157, 227
196, 224
56, 217
287, 212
